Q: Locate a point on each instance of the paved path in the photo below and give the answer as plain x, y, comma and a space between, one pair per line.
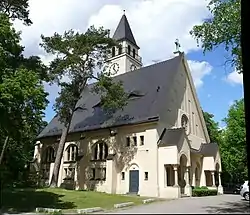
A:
205, 205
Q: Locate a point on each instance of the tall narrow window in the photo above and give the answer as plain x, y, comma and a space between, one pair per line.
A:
135, 140
100, 151
120, 50
141, 140
133, 53
184, 123
129, 49
128, 141
71, 152
123, 176
49, 155
113, 51
146, 176
93, 173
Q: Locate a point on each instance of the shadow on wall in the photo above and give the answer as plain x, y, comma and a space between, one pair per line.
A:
117, 151
26, 200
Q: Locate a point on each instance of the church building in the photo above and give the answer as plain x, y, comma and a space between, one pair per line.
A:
157, 146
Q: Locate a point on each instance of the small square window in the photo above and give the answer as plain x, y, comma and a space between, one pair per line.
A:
123, 175
93, 173
135, 140
128, 141
141, 140
146, 176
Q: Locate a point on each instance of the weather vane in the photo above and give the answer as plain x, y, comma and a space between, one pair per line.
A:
177, 46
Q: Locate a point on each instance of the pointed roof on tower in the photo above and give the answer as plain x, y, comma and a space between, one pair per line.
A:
123, 31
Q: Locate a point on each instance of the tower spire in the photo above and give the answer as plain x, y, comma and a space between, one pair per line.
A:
124, 32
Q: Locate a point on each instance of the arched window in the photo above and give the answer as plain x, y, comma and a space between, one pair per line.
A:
71, 152
129, 49
184, 122
100, 151
49, 155
113, 51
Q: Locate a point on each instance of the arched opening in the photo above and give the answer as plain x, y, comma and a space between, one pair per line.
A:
71, 152
185, 123
134, 178
49, 155
129, 49
197, 175
182, 178
113, 51
100, 151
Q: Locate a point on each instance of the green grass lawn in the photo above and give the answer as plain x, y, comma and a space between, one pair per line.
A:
26, 200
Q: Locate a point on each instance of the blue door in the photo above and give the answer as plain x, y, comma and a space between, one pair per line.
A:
133, 181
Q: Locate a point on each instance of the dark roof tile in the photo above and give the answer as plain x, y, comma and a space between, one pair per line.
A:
147, 107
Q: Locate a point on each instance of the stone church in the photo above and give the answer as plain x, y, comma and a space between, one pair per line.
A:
157, 146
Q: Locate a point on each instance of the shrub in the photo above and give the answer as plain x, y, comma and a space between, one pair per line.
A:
204, 191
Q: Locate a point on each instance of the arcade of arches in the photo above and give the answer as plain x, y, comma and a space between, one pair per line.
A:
184, 176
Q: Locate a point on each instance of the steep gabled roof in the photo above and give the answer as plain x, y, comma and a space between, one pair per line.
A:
123, 31
153, 82
173, 136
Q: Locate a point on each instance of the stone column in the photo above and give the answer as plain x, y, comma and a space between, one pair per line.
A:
175, 167
188, 188
213, 178
220, 188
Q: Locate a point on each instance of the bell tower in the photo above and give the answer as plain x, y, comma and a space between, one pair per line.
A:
125, 58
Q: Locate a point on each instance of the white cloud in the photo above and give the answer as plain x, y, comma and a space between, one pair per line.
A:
155, 24
235, 78
199, 70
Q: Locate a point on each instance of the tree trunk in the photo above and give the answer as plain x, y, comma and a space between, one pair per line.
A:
4, 147
59, 155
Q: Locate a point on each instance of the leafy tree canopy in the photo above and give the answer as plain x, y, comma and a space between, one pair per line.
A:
223, 28
79, 58
16, 9
22, 100
233, 148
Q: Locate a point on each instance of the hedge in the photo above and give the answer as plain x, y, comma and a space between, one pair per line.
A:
203, 191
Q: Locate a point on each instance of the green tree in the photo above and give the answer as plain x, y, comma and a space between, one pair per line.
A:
233, 148
22, 101
212, 127
78, 57
16, 9
222, 28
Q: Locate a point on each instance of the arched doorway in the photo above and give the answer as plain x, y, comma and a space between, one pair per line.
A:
182, 179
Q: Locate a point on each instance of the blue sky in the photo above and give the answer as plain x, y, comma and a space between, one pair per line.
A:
217, 92
155, 24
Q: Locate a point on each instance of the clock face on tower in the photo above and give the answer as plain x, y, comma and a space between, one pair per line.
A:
114, 68
132, 67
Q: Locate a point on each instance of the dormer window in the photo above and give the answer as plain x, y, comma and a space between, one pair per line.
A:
184, 122
135, 94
